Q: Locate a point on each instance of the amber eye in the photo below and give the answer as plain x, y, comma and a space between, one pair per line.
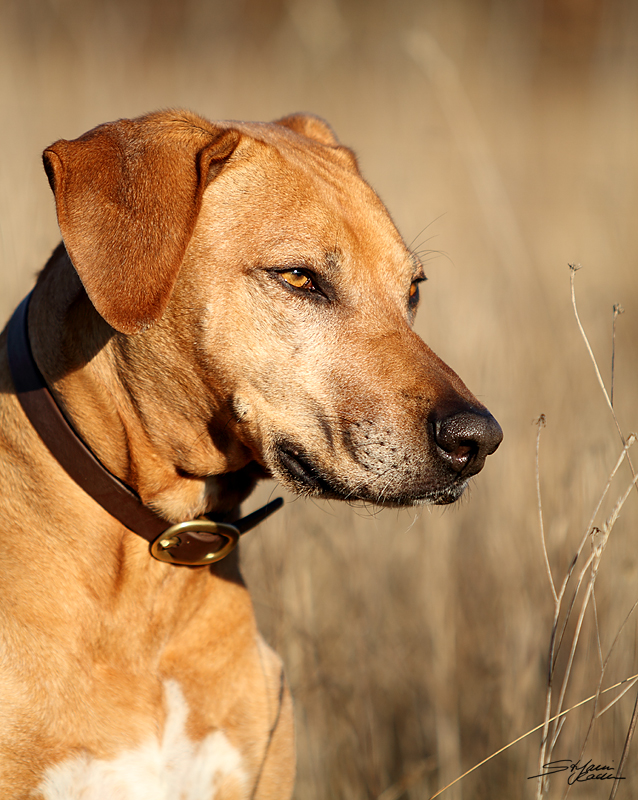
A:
297, 278
414, 291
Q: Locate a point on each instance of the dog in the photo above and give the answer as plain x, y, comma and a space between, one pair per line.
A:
231, 302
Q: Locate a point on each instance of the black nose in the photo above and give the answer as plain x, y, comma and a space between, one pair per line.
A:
466, 438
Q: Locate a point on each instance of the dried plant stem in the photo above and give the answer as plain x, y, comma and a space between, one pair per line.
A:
573, 269
630, 733
541, 424
556, 638
545, 726
590, 567
548, 699
592, 562
625, 752
611, 704
599, 714
618, 310
632, 680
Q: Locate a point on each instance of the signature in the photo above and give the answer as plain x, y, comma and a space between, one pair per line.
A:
579, 773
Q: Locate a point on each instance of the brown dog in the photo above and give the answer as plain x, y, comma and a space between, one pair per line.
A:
235, 303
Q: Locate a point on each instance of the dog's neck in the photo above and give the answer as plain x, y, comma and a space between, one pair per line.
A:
174, 464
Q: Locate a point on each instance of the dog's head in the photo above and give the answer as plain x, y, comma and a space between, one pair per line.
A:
262, 255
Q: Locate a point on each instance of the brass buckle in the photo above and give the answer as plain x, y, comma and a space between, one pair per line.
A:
167, 546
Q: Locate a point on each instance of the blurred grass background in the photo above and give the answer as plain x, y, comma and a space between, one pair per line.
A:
502, 135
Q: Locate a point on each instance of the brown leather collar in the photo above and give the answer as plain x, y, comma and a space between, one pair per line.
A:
193, 543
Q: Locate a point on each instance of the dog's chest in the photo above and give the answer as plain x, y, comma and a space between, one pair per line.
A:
171, 767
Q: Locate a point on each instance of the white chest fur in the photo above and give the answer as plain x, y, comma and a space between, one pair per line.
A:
173, 768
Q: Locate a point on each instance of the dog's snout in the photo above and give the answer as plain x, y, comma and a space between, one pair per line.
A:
466, 438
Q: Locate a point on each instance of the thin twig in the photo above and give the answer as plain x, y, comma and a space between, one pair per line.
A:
540, 422
633, 678
596, 713
568, 669
618, 310
594, 562
557, 639
548, 698
625, 750
614, 701
591, 528
594, 606
634, 716
573, 269
624, 454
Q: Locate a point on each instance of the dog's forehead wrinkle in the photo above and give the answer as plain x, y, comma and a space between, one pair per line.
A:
303, 150
300, 173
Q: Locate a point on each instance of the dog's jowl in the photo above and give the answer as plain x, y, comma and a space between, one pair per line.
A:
231, 301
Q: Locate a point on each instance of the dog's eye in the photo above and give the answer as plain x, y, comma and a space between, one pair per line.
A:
414, 292
297, 278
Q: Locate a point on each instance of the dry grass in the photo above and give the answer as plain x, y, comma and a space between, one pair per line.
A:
502, 136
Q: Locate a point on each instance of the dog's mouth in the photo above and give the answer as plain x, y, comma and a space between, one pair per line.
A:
448, 495
301, 473
300, 470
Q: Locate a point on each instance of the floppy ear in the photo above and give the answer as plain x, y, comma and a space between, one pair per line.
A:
128, 194
311, 126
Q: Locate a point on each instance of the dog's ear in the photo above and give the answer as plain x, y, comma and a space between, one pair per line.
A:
128, 194
318, 129
311, 126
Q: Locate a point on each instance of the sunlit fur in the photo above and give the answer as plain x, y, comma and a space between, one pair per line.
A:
191, 369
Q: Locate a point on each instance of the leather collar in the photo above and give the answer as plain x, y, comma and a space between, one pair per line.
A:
192, 543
